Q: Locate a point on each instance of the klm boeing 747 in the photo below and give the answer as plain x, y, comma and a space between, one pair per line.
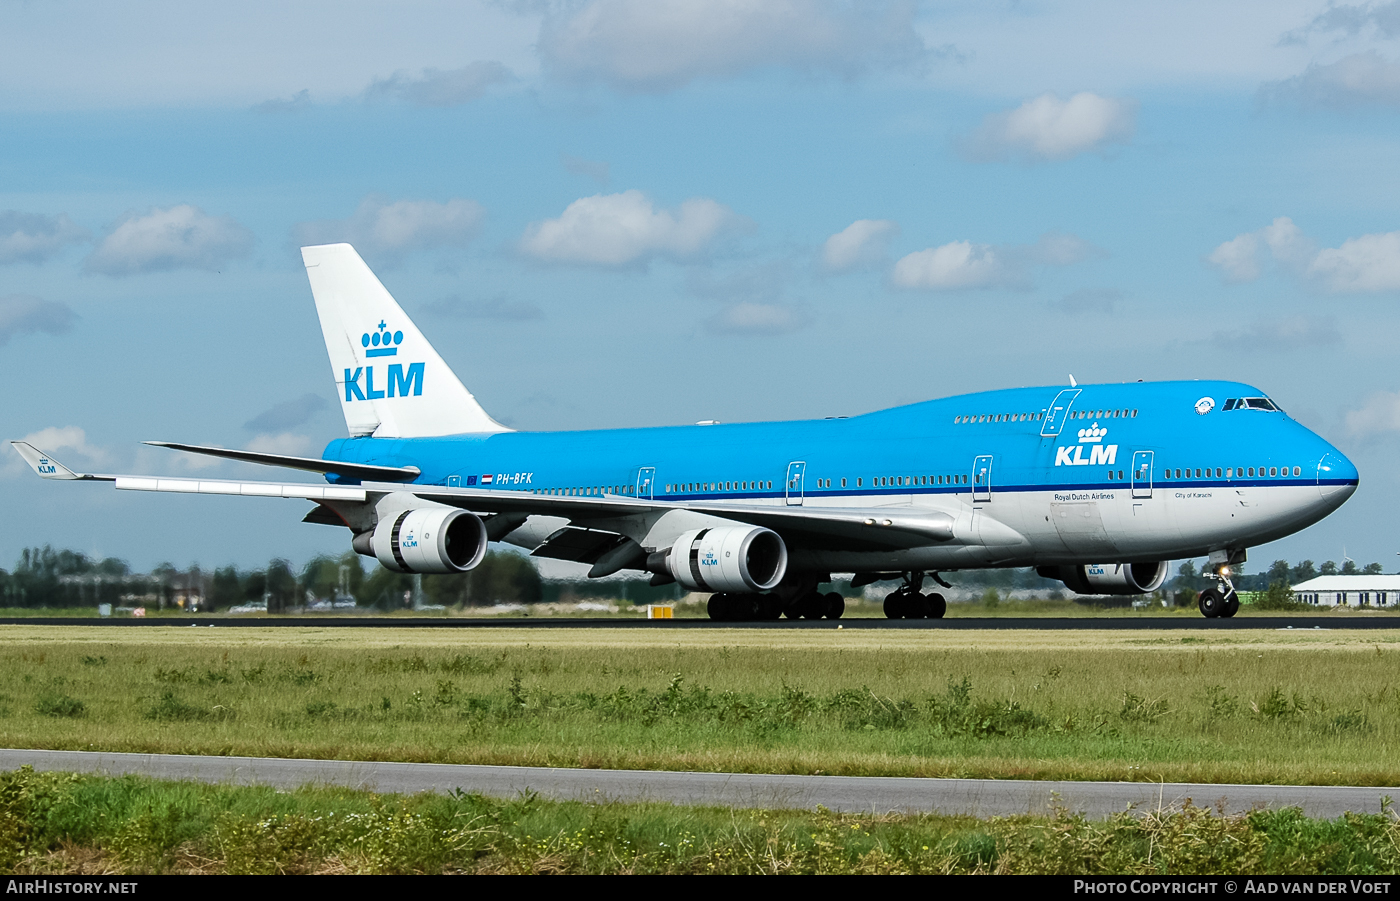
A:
1095, 485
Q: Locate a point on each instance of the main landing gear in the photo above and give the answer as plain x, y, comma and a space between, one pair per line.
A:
908, 602
811, 604
1221, 602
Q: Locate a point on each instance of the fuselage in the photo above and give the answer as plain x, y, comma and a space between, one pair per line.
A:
1032, 476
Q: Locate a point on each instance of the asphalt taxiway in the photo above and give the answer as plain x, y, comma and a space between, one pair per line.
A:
851, 794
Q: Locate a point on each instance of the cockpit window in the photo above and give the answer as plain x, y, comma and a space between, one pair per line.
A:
1250, 403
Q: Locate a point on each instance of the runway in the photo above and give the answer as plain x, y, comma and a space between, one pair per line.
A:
1127, 623
849, 794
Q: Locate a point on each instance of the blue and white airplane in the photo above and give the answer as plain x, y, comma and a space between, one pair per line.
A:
1095, 485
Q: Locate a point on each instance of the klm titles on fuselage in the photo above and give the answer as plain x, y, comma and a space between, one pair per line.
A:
1100, 454
397, 383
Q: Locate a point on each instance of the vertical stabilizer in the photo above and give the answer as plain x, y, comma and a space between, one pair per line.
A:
390, 381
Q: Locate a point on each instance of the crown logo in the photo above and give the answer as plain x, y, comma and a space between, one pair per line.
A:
382, 343
1092, 435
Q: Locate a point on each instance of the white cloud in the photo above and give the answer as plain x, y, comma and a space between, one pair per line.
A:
660, 45
1237, 258
617, 229
281, 443
1048, 128
963, 264
960, 264
397, 228
861, 243
759, 319
179, 237
31, 238
22, 314
436, 87
1380, 413
1357, 80
1366, 264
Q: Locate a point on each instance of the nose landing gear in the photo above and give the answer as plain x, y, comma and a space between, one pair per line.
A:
1215, 602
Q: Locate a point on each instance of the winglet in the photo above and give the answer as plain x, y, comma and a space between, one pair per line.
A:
47, 467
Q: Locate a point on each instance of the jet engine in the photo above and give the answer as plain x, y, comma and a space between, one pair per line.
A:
427, 540
1109, 578
734, 558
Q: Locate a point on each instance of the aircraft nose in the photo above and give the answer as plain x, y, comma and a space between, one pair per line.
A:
1337, 477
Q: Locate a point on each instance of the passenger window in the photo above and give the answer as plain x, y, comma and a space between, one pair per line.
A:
1273, 471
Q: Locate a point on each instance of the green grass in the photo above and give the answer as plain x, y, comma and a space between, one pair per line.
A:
55, 823
1285, 707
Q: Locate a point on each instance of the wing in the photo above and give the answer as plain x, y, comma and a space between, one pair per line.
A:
851, 528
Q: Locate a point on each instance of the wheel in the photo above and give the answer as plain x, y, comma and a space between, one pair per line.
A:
835, 605
770, 607
937, 606
813, 605
895, 607
917, 606
1212, 603
745, 607
718, 607
1232, 605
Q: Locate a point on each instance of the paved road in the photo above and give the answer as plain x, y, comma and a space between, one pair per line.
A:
1359, 621
856, 794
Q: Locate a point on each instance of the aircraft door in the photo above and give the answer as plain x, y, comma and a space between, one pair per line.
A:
794, 485
1142, 474
982, 478
1058, 412
645, 477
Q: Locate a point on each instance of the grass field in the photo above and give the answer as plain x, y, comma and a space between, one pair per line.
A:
1314, 707
53, 823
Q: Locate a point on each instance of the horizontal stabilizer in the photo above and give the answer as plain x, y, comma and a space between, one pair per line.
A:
310, 464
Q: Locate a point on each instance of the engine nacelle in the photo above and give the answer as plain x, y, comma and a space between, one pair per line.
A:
428, 540
734, 558
1109, 578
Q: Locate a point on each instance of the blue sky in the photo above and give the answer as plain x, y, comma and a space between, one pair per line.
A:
625, 213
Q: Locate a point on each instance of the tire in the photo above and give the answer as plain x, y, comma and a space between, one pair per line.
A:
813, 605
937, 605
1232, 605
895, 607
835, 605
918, 606
718, 607
1212, 603
770, 607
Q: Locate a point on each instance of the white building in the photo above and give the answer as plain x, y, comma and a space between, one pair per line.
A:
1350, 591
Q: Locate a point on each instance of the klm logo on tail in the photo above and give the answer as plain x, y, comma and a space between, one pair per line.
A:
398, 382
1100, 454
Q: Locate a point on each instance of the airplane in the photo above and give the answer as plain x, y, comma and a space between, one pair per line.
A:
1097, 486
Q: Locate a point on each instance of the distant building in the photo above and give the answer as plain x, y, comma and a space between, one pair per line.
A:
1350, 591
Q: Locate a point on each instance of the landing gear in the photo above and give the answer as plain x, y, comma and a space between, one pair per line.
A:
1215, 602
907, 602
725, 607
